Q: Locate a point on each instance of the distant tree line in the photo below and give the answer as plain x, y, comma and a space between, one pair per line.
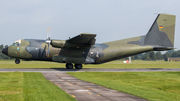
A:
153, 56
2, 56
149, 56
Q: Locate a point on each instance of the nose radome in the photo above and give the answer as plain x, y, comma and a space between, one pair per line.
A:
5, 51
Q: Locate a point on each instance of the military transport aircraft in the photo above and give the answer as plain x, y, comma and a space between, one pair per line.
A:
82, 49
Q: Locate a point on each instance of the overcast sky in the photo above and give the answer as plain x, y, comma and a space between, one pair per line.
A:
109, 19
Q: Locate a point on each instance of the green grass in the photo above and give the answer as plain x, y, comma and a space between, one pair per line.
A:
18, 86
113, 64
154, 86
11, 86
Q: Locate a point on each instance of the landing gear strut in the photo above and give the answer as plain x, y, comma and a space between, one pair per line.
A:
78, 66
17, 61
69, 66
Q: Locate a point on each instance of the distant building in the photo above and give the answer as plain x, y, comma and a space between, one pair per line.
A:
173, 58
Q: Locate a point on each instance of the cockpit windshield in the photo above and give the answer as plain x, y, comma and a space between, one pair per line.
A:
17, 43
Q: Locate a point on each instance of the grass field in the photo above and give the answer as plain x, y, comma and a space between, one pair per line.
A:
18, 86
154, 86
113, 64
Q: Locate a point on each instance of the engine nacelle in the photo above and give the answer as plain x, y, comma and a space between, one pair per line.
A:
64, 44
58, 43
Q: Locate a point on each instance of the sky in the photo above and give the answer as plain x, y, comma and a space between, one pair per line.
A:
109, 19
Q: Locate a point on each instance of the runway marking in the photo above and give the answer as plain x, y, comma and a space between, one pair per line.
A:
98, 95
73, 96
89, 93
88, 88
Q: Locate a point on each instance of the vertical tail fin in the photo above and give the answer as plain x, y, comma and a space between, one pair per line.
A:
162, 31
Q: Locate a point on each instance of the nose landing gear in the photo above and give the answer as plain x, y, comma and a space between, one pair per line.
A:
17, 61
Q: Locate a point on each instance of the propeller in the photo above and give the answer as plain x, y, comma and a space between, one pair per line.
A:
48, 40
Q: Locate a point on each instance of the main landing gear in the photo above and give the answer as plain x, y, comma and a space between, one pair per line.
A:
70, 66
17, 61
78, 66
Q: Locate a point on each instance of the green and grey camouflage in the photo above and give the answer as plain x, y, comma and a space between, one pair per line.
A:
83, 50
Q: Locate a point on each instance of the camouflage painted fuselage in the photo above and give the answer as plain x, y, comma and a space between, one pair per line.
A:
32, 49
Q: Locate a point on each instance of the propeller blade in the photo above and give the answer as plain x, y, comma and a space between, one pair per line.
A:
48, 50
48, 40
47, 34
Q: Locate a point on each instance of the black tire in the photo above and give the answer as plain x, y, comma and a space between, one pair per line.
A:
17, 61
69, 66
78, 66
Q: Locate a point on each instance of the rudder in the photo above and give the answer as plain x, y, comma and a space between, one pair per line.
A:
162, 31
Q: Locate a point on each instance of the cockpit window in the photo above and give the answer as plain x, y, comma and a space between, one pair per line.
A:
14, 44
17, 43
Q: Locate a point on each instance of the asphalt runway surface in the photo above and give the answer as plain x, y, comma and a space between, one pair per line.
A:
86, 91
90, 70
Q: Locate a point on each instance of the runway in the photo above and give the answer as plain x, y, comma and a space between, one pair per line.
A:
90, 70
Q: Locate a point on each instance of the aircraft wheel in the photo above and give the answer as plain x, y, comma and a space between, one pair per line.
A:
17, 61
78, 66
69, 66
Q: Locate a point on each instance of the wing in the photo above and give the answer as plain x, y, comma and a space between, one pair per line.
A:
83, 39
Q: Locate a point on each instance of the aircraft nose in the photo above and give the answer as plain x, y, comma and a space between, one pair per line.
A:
5, 51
